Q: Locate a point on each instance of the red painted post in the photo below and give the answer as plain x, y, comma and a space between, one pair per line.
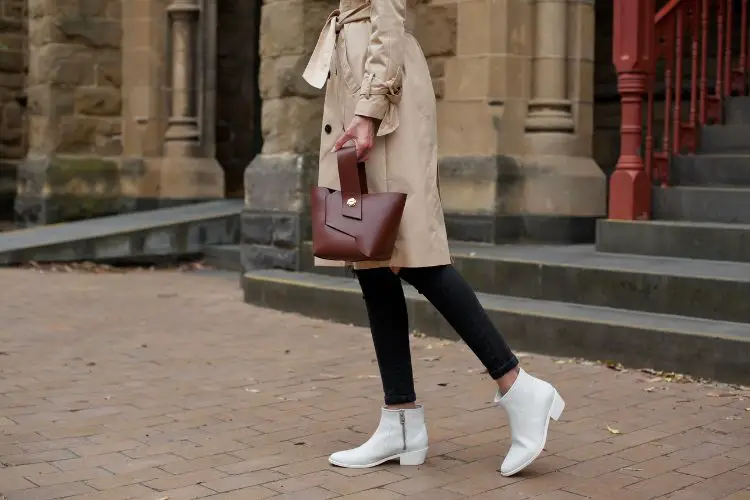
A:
633, 57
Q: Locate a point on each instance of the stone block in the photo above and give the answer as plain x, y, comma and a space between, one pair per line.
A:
474, 24
466, 128
58, 188
275, 221
268, 257
188, 178
98, 101
436, 29
109, 72
292, 27
94, 33
467, 78
280, 230
291, 125
282, 77
280, 183
61, 64
48, 101
11, 61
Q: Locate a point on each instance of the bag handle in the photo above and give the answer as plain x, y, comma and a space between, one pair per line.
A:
353, 180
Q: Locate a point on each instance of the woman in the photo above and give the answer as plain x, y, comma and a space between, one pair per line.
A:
379, 96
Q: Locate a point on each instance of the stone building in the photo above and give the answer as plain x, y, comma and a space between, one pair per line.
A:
109, 106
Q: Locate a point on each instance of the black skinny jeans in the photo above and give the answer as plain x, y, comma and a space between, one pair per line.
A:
452, 296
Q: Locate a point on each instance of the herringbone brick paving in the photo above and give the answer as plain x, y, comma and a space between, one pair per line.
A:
164, 385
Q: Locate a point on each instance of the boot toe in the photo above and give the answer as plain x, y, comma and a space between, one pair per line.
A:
342, 459
515, 463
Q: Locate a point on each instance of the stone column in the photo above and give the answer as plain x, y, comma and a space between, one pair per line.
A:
189, 172
564, 190
182, 137
72, 169
550, 109
277, 181
515, 124
168, 89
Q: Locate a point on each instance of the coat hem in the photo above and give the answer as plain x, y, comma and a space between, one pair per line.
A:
438, 261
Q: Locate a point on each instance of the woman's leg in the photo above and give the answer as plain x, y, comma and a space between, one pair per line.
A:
452, 296
389, 325
529, 402
401, 433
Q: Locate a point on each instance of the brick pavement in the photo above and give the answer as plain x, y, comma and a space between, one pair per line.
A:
164, 385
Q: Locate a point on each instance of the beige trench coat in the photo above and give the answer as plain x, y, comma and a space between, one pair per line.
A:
372, 66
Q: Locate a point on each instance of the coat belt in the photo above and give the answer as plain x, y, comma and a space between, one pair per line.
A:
318, 67
316, 72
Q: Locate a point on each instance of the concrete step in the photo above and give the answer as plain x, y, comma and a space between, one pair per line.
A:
224, 257
579, 274
725, 139
711, 170
143, 236
681, 239
699, 347
737, 110
729, 205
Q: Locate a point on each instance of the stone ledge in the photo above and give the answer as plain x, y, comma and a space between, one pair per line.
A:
165, 233
663, 342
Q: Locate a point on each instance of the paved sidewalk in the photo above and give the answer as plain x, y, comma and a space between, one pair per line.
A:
164, 385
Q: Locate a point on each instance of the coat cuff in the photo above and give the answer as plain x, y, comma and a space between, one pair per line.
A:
379, 101
375, 106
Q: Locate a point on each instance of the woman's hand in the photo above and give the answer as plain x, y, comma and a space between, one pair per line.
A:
362, 131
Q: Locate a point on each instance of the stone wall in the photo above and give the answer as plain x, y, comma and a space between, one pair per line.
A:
75, 77
436, 26
74, 111
13, 42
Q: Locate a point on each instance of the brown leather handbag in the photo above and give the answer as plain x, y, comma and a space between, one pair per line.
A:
353, 225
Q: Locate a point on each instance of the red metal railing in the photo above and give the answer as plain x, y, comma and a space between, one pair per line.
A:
683, 57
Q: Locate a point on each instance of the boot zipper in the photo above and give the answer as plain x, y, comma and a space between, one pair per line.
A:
402, 418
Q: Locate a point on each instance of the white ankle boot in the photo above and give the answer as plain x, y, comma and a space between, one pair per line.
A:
402, 435
530, 403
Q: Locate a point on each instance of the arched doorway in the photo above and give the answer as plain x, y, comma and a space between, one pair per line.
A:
238, 134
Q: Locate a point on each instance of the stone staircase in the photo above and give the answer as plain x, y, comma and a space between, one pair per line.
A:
705, 212
669, 294
683, 315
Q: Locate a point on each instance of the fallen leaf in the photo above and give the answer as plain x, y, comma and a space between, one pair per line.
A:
612, 365
613, 430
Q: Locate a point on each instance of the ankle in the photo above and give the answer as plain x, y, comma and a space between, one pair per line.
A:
402, 406
505, 382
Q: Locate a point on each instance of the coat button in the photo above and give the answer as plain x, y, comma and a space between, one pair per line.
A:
328, 129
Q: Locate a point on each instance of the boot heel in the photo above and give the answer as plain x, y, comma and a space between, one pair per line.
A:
558, 405
413, 457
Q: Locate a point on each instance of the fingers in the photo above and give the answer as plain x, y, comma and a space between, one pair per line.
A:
364, 146
347, 136
361, 135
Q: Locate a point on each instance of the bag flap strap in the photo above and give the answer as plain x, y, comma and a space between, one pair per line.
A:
353, 182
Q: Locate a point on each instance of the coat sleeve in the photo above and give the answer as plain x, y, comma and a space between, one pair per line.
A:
381, 85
